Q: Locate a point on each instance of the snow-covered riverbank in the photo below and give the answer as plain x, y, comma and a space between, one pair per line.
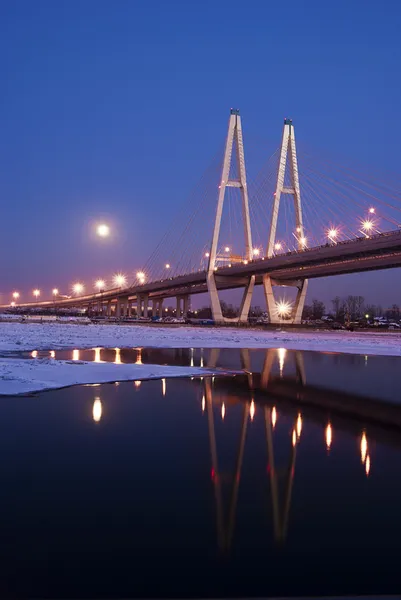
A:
22, 376
53, 336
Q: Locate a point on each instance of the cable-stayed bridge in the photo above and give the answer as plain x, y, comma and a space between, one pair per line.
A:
302, 217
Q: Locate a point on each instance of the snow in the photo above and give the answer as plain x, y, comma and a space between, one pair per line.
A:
19, 376
53, 336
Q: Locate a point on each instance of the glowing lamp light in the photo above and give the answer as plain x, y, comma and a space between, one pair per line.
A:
294, 437
140, 275
256, 251
299, 230
12, 303
227, 249
55, 292
16, 295
36, 293
303, 241
278, 246
372, 210
167, 265
283, 308
78, 288
207, 254
120, 280
332, 234
223, 411
103, 230
367, 225
100, 284
367, 465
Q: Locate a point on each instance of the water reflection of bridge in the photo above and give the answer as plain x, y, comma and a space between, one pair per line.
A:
369, 420
275, 394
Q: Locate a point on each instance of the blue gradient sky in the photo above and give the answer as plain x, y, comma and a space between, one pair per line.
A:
101, 101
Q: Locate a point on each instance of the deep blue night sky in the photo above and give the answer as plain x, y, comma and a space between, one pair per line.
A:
115, 109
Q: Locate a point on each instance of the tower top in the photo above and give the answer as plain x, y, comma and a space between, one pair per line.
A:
234, 111
287, 121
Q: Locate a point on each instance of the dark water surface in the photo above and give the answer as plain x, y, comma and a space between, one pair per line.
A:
285, 480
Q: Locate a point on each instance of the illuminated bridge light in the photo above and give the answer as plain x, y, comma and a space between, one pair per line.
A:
372, 210
256, 251
34, 353
120, 280
227, 249
303, 241
294, 437
283, 308
16, 295
117, 360
75, 355
163, 387
36, 293
203, 403
223, 411
78, 288
332, 234
278, 246
100, 284
55, 292
367, 225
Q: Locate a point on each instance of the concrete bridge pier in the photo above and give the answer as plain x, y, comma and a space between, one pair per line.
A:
108, 308
186, 306
145, 305
160, 309
178, 310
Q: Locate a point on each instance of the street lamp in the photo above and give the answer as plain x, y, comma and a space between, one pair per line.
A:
36, 293
78, 288
332, 234
55, 292
283, 309
100, 285
141, 276
103, 230
16, 295
120, 280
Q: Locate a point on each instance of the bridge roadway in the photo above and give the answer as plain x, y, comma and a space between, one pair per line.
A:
381, 251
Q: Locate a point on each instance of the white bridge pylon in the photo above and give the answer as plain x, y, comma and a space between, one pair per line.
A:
288, 151
234, 136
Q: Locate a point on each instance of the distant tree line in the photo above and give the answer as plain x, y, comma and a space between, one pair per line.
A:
350, 308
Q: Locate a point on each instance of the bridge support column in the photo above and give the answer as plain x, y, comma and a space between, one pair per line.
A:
145, 305
129, 309
178, 310
186, 306
118, 308
108, 308
160, 309
139, 306
234, 139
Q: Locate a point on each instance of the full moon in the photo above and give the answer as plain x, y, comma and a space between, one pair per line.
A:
103, 230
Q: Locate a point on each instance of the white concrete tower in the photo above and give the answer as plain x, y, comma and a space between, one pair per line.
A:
288, 149
234, 137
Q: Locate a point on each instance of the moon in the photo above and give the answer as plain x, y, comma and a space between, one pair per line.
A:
103, 230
